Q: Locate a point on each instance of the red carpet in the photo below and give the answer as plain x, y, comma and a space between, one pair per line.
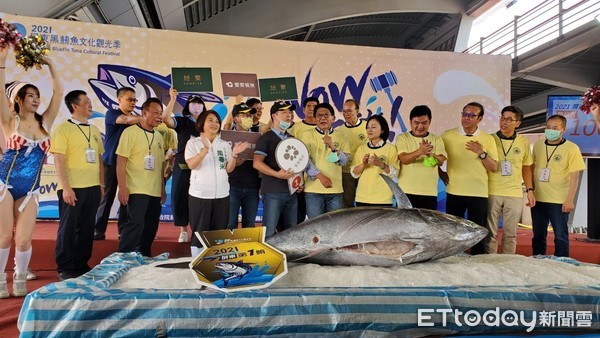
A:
43, 264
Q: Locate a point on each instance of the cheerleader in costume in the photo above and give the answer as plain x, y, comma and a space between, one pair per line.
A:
27, 143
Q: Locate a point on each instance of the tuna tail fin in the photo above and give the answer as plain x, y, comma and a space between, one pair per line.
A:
402, 200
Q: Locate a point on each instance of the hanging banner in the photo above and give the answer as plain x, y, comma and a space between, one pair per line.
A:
103, 58
582, 129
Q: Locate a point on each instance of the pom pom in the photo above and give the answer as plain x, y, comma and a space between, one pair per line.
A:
30, 51
9, 36
591, 96
430, 161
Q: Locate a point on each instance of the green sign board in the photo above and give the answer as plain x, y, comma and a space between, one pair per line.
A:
192, 79
278, 88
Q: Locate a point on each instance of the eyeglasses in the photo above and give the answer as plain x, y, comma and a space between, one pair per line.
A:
131, 99
322, 116
468, 115
507, 119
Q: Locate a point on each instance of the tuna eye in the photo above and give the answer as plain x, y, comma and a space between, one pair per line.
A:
315, 239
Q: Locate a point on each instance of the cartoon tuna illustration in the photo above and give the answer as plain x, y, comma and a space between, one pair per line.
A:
146, 84
233, 270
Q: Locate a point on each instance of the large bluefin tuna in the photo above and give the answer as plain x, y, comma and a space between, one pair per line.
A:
378, 236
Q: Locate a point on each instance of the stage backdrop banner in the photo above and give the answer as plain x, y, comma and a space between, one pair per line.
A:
102, 58
582, 129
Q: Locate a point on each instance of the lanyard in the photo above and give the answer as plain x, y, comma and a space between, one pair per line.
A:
509, 148
149, 142
88, 136
549, 157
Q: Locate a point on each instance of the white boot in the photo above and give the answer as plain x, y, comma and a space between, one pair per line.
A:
31, 275
3, 287
19, 285
183, 237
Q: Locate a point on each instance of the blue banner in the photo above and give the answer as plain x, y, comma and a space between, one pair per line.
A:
582, 129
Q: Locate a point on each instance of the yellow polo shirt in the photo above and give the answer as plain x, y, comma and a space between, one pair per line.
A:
71, 141
416, 178
356, 136
564, 159
468, 176
169, 136
518, 153
318, 153
371, 186
300, 127
133, 145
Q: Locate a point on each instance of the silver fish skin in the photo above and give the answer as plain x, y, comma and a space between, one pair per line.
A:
378, 237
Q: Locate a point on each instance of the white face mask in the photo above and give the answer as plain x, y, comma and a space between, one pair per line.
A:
196, 108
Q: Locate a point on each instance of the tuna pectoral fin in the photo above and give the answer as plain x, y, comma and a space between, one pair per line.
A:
402, 200
387, 249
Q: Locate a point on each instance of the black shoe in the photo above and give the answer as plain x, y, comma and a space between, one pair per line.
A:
99, 236
66, 275
82, 271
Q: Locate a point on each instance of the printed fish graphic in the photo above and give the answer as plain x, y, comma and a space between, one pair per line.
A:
145, 83
233, 270
378, 236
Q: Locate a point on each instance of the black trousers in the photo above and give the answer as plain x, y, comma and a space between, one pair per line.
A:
180, 186
422, 201
476, 209
207, 214
110, 180
143, 215
75, 236
301, 209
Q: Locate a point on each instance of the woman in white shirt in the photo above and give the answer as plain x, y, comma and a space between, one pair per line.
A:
210, 160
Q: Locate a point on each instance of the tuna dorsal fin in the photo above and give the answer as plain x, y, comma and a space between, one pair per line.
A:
402, 200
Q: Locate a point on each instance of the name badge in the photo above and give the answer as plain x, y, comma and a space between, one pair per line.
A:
149, 162
506, 168
90, 155
544, 175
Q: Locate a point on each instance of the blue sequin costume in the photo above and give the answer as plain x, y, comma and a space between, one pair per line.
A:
21, 166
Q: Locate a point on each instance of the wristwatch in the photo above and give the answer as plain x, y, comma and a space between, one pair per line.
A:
483, 155
530, 189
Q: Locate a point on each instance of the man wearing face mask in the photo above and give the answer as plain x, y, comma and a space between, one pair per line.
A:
328, 150
277, 200
244, 181
557, 165
116, 121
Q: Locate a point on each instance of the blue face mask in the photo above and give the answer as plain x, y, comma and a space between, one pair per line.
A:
551, 134
284, 125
